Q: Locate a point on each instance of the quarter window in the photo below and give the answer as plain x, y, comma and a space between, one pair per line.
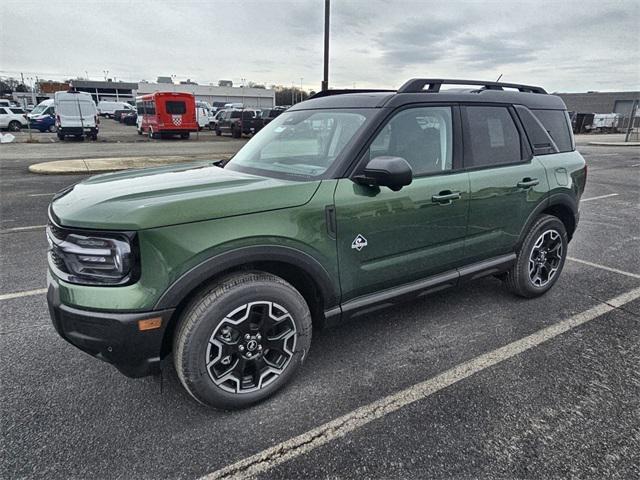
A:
491, 137
422, 136
557, 124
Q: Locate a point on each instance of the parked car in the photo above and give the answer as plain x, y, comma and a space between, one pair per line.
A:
45, 108
167, 113
13, 118
130, 118
239, 122
269, 114
44, 123
204, 116
343, 204
213, 124
107, 108
118, 114
76, 115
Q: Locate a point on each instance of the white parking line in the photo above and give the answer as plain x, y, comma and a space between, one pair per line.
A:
599, 197
604, 267
22, 229
335, 429
26, 293
41, 194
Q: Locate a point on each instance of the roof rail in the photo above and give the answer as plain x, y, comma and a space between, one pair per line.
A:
416, 85
328, 93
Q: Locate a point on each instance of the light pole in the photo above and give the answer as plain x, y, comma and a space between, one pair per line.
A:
33, 101
292, 92
301, 97
325, 81
106, 74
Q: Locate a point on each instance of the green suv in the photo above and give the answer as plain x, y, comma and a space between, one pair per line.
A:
347, 202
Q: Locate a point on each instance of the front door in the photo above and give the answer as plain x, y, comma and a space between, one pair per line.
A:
387, 238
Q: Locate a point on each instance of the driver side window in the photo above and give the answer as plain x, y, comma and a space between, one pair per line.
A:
422, 136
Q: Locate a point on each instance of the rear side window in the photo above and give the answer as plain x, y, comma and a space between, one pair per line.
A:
176, 107
235, 115
491, 137
557, 125
18, 111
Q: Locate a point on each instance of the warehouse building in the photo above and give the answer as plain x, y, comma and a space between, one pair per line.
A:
215, 95
600, 102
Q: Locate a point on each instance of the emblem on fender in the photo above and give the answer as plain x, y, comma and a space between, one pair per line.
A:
359, 242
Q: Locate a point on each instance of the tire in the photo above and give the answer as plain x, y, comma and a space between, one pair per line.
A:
52, 129
237, 133
540, 260
60, 136
151, 134
184, 135
218, 133
14, 126
139, 131
208, 321
94, 136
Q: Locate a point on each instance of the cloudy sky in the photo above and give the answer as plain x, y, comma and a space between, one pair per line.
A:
561, 45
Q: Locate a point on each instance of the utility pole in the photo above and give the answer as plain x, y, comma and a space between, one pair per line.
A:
301, 97
292, 90
325, 81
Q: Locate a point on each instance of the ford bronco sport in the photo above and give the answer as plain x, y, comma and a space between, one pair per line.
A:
346, 202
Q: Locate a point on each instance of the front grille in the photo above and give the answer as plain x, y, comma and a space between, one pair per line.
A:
56, 231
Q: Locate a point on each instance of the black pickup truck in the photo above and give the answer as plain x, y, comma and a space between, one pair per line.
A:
239, 122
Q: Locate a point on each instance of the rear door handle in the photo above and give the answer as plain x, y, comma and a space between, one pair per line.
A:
445, 197
528, 182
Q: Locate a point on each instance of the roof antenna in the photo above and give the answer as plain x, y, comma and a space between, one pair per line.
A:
499, 78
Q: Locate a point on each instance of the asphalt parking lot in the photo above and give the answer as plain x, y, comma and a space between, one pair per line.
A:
467, 383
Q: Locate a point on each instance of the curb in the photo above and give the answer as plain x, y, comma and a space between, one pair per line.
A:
114, 164
615, 144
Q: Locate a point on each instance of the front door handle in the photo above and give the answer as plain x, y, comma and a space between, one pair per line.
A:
445, 197
528, 182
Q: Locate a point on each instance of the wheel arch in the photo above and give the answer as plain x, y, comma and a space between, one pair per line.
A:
305, 273
560, 205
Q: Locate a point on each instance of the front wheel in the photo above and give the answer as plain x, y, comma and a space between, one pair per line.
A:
540, 259
52, 128
241, 340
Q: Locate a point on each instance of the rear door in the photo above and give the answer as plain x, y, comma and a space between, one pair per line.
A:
388, 238
4, 118
506, 181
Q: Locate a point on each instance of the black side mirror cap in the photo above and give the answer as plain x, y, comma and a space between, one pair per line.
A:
392, 172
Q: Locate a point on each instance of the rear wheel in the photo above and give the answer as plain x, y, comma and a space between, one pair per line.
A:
184, 135
60, 135
218, 132
241, 340
14, 126
541, 258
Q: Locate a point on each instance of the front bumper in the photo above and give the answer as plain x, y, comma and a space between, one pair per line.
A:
113, 337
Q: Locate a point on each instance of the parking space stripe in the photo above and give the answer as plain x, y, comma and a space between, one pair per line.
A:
604, 267
338, 428
599, 197
26, 293
22, 229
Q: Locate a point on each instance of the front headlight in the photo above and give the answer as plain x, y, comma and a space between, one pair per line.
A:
92, 257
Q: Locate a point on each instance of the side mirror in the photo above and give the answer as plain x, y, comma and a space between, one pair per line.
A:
392, 172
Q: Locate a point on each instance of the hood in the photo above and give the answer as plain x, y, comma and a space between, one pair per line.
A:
170, 195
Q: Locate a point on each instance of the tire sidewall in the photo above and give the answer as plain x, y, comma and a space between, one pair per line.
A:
546, 223
196, 377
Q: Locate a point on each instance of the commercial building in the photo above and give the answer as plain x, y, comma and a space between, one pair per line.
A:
600, 102
215, 95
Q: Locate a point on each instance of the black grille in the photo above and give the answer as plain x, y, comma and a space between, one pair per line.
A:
56, 231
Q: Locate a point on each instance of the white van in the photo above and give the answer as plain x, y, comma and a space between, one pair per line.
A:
43, 109
76, 115
107, 108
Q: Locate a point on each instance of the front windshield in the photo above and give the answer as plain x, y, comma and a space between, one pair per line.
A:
300, 143
39, 109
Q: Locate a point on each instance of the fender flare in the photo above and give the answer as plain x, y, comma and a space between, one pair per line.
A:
563, 199
211, 267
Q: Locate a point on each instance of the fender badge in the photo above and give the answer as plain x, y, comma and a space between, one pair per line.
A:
359, 242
